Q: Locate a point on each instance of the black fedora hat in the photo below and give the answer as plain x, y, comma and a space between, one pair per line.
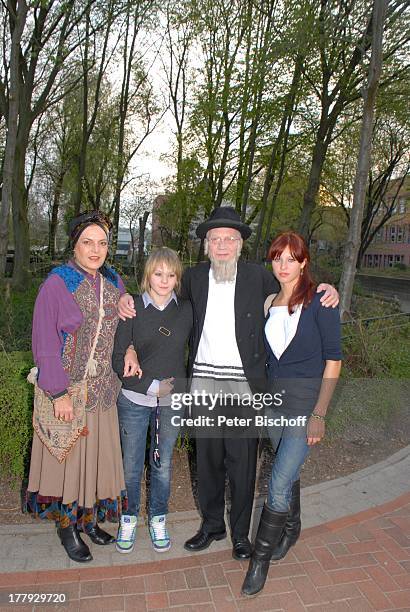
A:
223, 216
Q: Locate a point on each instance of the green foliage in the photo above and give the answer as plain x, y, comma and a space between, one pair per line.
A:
376, 370
366, 401
130, 283
97, 185
378, 350
188, 194
16, 313
326, 268
16, 396
287, 210
184, 443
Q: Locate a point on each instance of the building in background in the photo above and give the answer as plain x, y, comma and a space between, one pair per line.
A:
391, 244
157, 239
124, 246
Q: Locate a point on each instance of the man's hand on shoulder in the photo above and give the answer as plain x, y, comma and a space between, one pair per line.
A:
126, 307
330, 297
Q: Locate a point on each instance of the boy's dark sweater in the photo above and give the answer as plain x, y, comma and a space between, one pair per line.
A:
160, 355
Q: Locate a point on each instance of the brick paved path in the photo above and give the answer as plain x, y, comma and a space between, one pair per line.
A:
360, 562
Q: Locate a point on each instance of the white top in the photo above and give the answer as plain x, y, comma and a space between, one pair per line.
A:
218, 354
281, 327
147, 299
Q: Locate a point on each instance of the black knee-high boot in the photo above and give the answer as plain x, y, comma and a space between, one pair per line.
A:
269, 533
292, 527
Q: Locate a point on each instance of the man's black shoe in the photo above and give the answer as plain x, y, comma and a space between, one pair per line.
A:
241, 549
202, 540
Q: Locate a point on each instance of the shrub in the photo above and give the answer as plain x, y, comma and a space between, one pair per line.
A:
16, 399
16, 313
326, 269
375, 376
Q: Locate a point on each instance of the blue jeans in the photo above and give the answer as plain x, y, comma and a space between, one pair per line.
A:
291, 447
134, 421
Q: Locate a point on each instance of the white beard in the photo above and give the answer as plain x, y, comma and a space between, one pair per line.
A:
224, 271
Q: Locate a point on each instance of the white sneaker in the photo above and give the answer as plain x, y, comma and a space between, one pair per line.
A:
159, 533
127, 532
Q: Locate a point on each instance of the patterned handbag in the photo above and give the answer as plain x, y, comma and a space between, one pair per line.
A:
60, 436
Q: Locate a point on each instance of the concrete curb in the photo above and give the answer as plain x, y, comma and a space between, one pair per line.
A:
312, 490
34, 547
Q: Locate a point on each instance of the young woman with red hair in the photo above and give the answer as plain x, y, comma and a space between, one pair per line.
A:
304, 359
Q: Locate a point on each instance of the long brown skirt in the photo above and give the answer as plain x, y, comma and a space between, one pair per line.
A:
92, 470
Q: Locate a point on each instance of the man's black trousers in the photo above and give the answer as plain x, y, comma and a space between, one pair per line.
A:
237, 458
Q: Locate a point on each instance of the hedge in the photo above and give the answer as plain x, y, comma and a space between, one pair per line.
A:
16, 405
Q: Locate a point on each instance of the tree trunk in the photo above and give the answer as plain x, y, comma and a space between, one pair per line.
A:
21, 270
278, 185
201, 252
142, 222
333, 100
185, 222
240, 183
259, 89
12, 129
54, 215
118, 186
82, 161
312, 189
128, 53
281, 140
363, 162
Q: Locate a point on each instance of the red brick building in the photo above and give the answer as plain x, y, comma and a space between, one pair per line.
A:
391, 245
157, 238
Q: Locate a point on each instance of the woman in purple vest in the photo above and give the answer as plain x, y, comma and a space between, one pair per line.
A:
76, 308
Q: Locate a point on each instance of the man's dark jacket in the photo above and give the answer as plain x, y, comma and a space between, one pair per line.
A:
253, 284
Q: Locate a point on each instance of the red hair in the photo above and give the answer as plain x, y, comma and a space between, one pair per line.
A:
304, 290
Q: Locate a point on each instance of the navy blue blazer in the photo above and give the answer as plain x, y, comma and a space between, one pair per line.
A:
300, 368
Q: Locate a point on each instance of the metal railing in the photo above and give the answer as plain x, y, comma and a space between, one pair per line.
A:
367, 322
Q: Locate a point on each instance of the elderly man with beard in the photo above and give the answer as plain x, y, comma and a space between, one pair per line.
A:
227, 351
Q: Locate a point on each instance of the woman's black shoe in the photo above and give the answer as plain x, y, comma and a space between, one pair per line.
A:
99, 536
75, 548
269, 533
